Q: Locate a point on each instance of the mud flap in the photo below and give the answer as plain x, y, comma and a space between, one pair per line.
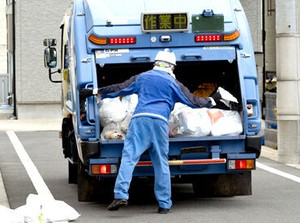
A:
223, 185
86, 184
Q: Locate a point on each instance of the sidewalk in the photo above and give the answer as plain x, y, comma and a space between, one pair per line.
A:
55, 125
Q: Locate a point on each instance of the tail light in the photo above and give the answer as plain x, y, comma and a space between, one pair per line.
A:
112, 40
122, 40
241, 164
217, 37
103, 169
208, 38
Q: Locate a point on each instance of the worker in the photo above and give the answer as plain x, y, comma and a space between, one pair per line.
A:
158, 91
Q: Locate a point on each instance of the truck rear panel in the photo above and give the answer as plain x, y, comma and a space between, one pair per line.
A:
110, 41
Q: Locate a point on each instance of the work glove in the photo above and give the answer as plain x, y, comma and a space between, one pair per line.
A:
84, 93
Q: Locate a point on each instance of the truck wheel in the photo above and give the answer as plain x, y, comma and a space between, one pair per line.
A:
73, 173
223, 185
73, 166
86, 184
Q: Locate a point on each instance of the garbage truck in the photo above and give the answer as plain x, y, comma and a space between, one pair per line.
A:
105, 42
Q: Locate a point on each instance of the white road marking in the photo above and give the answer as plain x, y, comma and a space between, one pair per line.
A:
31, 169
278, 172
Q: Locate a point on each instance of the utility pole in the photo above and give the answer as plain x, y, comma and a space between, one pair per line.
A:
14, 59
288, 80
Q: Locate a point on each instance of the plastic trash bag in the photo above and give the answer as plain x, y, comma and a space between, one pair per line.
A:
8, 215
187, 121
125, 123
112, 131
129, 103
111, 110
194, 122
40, 209
227, 124
227, 97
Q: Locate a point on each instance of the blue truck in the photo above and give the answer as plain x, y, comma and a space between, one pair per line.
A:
105, 42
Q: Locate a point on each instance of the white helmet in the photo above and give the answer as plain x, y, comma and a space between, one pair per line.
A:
166, 55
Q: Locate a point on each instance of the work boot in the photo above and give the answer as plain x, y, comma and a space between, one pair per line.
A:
116, 204
163, 210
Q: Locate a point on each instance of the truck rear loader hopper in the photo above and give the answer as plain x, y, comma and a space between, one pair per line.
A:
213, 47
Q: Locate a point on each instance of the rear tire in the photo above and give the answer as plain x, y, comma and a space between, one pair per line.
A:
73, 173
70, 149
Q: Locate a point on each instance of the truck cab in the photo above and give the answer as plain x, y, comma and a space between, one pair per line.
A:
106, 42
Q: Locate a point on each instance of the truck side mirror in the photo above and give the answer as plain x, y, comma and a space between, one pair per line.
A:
50, 57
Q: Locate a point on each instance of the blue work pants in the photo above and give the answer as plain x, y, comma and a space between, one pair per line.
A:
146, 133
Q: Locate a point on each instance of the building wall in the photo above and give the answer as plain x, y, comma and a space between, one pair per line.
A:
36, 20
253, 10
3, 39
3, 55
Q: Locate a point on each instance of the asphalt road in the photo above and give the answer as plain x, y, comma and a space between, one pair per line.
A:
276, 189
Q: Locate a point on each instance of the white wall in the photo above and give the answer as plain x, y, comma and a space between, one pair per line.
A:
36, 20
3, 39
253, 10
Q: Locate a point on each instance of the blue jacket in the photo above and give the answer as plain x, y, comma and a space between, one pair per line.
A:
157, 93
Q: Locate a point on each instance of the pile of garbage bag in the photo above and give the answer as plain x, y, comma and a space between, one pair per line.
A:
197, 122
116, 113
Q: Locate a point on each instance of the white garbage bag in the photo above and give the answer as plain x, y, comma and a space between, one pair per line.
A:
129, 103
186, 121
229, 123
112, 131
8, 215
111, 110
194, 122
40, 209
227, 97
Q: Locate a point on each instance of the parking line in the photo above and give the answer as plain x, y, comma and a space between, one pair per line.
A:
36, 178
278, 172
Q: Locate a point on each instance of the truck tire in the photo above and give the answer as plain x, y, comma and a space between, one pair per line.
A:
85, 185
70, 149
72, 173
223, 185
73, 166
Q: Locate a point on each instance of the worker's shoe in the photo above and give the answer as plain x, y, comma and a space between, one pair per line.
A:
116, 204
163, 210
